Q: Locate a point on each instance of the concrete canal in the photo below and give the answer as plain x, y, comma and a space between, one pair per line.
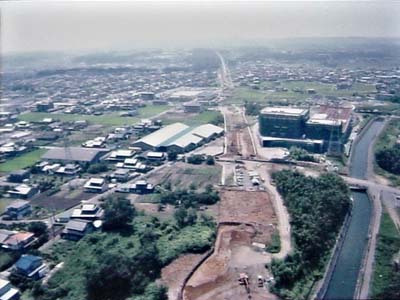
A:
344, 277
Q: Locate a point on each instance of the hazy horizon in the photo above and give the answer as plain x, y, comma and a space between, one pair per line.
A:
105, 26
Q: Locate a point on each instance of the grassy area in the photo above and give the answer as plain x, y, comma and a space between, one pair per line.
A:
182, 176
6, 259
110, 119
145, 246
388, 139
385, 108
208, 116
384, 277
25, 160
266, 95
389, 136
275, 245
152, 110
3, 204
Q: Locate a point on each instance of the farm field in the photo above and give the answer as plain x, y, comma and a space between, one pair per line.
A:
267, 95
181, 175
208, 116
25, 160
111, 119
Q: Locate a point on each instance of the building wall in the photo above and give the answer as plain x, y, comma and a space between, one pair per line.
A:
323, 132
281, 126
143, 146
311, 147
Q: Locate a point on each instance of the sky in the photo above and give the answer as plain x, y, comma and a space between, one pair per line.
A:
99, 25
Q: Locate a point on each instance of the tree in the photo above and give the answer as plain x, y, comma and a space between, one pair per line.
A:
192, 186
118, 212
210, 160
317, 207
172, 155
154, 292
252, 108
218, 120
180, 216
191, 216
97, 168
389, 159
109, 278
38, 228
195, 159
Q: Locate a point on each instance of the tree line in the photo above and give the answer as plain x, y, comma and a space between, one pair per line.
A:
317, 208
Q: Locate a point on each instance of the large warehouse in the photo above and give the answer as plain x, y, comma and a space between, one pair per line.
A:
179, 137
74, 154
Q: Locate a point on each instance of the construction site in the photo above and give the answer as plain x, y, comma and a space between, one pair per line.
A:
239, 141
236, 266
250, 212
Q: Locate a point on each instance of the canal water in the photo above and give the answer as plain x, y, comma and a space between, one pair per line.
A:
344, 277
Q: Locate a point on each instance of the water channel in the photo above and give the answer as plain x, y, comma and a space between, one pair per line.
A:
344, 277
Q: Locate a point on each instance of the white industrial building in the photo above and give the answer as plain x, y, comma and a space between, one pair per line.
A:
179, 137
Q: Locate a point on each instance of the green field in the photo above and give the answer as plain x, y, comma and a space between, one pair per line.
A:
4, 202
387, 108
385, 279
265, 95
22, 161
152, 110
111, 119
202, 118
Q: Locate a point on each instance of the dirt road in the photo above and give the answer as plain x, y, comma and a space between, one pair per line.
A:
280, 209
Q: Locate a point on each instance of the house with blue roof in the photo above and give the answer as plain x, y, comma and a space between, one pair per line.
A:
31, 266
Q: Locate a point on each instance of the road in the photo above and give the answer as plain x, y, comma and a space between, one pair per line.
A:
279, 206
225, 75
242, 141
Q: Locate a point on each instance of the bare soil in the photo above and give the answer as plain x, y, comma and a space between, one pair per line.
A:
61, 200
175, 273
244, 217
250, 207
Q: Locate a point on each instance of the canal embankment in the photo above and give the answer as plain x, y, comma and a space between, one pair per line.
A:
346, 277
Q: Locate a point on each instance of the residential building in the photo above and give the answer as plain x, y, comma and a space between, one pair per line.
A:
192, 107
18, 176
7, 291
30, 266
69, 169
120, 155
139, 187
18, 209
18, 241
88, 212
121, 175
44, 106
76, 229
23, 191
96, 185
